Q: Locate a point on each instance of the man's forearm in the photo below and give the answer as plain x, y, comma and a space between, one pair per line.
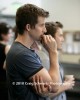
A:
51, 95
54, 66
61, 89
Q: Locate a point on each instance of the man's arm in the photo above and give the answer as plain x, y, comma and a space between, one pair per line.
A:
53, 75
40, 88
64, 87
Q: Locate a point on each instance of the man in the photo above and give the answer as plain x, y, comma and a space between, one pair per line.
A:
55, 30
23, 64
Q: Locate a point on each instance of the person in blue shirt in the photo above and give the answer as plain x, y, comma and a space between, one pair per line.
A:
23, 65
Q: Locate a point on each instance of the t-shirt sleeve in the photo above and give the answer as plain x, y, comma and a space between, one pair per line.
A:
28, 64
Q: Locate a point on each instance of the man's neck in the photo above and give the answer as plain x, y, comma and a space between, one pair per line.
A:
36, 46
25, 40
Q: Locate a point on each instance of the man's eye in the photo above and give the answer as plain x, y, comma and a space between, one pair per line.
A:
42, 24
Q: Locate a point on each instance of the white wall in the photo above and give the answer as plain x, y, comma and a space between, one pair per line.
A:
10, 6
65, 11
4, 3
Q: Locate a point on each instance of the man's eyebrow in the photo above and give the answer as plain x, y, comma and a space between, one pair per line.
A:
42, 24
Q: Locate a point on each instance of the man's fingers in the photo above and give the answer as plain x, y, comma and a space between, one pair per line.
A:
47, 38
72, 83
42, 84
44, 41
34, 83
38, 84
72, 79
44, 88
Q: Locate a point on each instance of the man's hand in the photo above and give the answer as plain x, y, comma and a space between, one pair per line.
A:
40, 87
49, 43
69, 82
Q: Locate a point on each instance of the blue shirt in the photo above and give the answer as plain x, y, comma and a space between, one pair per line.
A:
22, 63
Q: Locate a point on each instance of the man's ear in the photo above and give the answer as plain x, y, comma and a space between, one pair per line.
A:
28, 27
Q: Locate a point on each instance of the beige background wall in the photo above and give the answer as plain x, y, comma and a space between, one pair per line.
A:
66, 11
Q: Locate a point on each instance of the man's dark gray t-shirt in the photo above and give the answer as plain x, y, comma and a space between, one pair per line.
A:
22, 63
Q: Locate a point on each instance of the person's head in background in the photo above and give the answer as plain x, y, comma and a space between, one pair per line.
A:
30, 20
55, 30
5, 32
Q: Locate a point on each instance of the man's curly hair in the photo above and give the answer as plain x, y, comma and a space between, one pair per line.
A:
28, 14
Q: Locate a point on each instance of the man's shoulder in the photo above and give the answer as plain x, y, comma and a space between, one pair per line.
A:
18, 47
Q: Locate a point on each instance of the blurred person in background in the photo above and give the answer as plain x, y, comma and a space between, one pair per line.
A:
5, 35
55, 30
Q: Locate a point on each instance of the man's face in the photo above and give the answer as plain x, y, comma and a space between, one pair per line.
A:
39, 29
59, 38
